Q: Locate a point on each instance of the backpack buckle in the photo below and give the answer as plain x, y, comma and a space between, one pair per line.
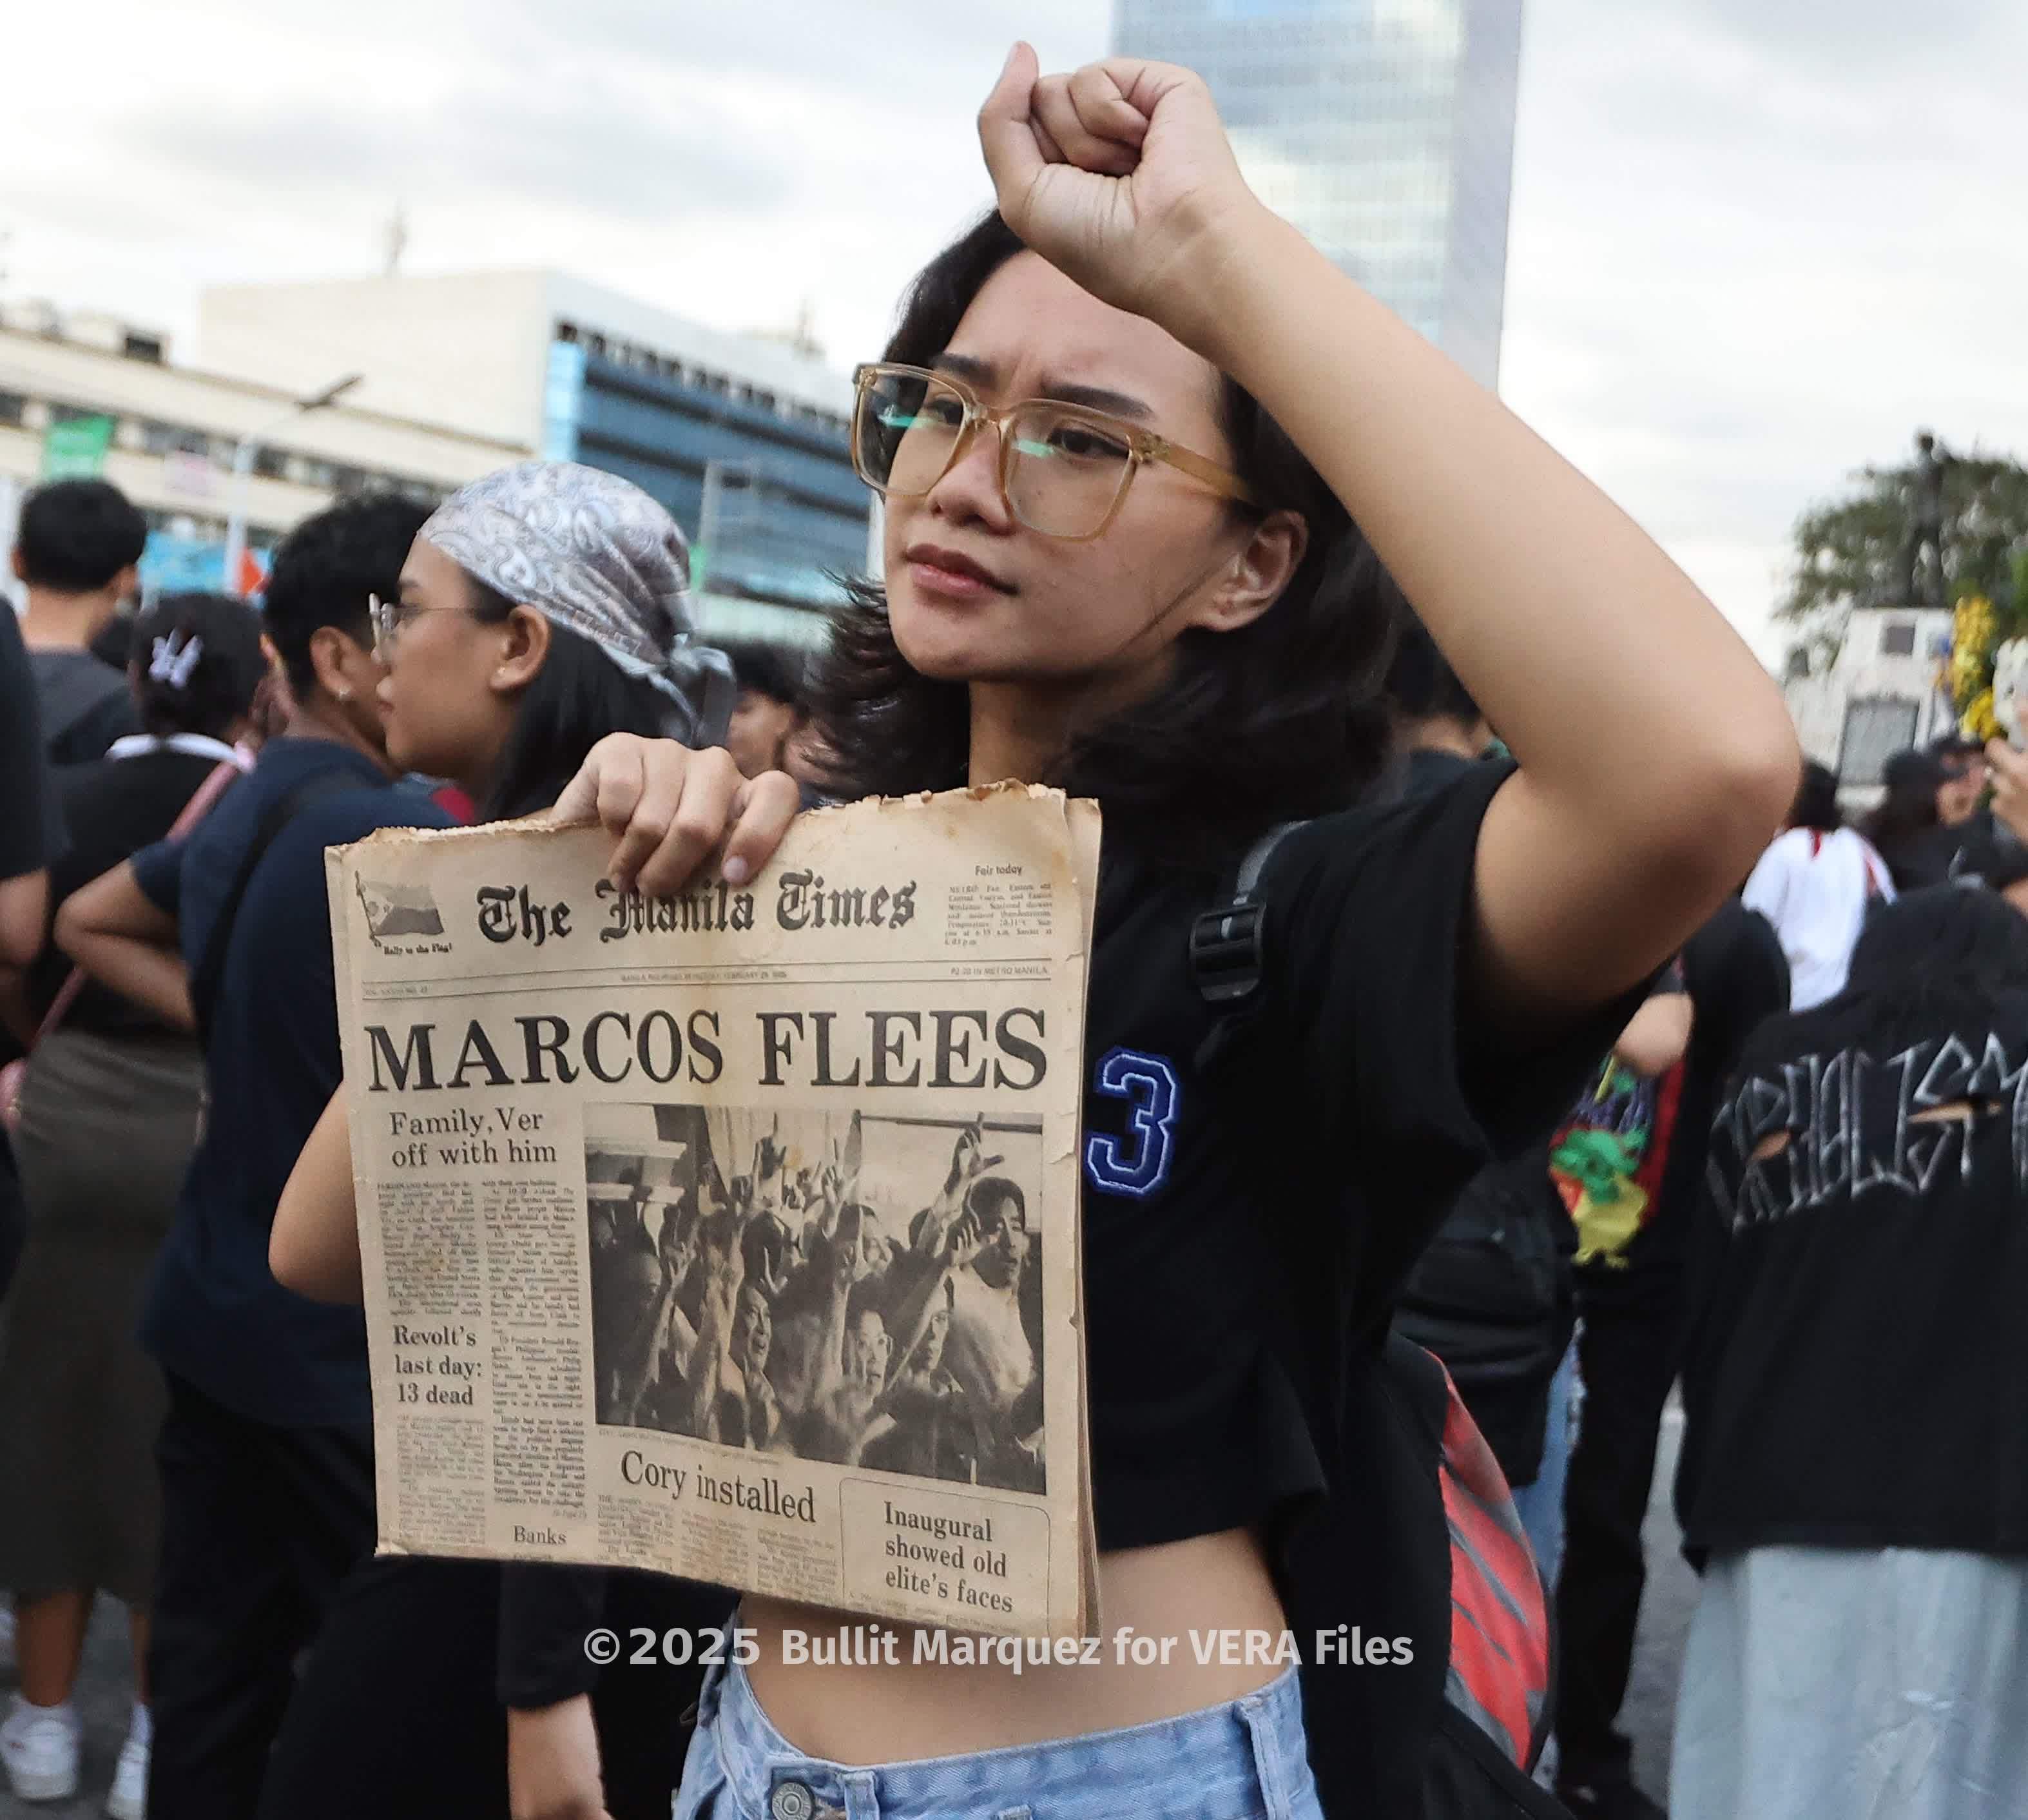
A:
1229, 951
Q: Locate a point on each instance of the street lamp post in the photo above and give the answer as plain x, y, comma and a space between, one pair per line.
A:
242, 468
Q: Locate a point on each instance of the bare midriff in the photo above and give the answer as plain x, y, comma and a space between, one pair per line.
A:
1195, 1592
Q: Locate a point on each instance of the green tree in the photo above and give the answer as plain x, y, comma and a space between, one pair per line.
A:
1846, 549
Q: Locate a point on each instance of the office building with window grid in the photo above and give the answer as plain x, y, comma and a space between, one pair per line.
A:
1383, 129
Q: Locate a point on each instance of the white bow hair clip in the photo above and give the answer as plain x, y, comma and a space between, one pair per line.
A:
175, 659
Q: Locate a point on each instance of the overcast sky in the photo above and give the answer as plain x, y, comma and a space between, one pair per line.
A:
1755, 242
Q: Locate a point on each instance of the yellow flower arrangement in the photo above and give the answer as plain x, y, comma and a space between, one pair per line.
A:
1980, 722
1974, 630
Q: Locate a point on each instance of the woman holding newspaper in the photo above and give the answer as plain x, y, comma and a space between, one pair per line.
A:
1133, 436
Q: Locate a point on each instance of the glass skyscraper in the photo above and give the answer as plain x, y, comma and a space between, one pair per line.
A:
1384, 129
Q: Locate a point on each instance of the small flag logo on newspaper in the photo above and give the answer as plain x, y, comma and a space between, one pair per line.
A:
395, 911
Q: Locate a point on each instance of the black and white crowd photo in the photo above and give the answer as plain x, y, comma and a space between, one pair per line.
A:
861, 1289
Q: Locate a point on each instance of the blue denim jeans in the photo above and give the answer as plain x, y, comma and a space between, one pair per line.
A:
1245, 1761
1539, 1505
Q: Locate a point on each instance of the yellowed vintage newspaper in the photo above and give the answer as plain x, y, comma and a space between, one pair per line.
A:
733, 1235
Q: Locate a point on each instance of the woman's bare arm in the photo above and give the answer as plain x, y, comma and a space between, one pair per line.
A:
112, 931
314, 1246
1657, 1036
1656, 756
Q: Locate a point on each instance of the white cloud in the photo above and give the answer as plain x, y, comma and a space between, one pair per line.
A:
1753, 245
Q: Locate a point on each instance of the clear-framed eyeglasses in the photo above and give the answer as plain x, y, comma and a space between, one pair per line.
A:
1064, 469
388, 617
385, 616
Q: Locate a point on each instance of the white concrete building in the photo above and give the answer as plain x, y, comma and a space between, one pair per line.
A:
473, 349
1882, 694
175, 431
745, 440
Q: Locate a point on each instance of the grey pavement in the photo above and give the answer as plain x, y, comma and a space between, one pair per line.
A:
1665, 1615
1648, 1716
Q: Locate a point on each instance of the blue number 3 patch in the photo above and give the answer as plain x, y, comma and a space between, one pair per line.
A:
1138, 1165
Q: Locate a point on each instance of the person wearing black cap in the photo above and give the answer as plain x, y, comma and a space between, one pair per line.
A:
1907, 829
1961, 807
1931, 826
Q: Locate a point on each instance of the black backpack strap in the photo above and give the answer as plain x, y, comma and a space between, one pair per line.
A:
1228, 951
210, 972
1229, 942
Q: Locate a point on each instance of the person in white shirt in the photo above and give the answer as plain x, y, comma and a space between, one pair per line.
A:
1815, 884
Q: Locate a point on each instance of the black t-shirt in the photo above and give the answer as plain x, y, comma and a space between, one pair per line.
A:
1248, 1216
1981, 846
215, 1315
29, 823
86, 705
1937, 855
1492, 1296
112, 807
1856, 1372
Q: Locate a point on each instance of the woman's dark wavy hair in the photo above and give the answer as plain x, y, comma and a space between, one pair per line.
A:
1277, 720
1420, 684
578, 697
1816, 805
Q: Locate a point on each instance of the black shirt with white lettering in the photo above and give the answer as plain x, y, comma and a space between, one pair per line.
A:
1249, 1214
1856, 1373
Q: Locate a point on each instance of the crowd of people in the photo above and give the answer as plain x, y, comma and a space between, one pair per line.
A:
1593, 1080
1702, 1220
776, 1312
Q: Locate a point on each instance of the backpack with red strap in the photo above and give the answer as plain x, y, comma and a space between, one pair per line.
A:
1497, 1689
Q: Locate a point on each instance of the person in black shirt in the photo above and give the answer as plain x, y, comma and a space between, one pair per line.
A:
1908, 828
1124, 430
1633, 1227
114, 644
1982, 846
1853, 1483
30, 826
1493, 1295
265, 1456
77, 550
109, 1113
